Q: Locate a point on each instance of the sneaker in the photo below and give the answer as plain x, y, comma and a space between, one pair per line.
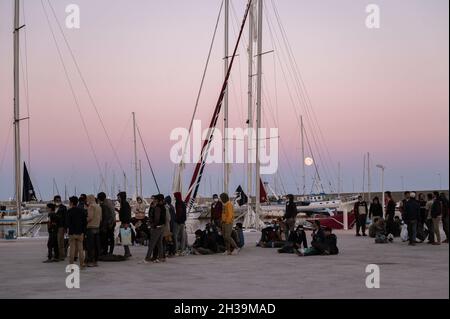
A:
364, 235
156, 261
358, 235
90, 265
48, 261
412, 244
300, 254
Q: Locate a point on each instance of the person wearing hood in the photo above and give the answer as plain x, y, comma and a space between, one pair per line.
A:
179, 226
124, 217
445, 206
61, 212
376, 210
360, 210
107, 225
227, 225
171, 246
216, 211
390, 213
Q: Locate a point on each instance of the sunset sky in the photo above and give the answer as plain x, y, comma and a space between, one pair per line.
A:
383, 91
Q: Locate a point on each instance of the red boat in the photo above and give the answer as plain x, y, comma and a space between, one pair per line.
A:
334, 221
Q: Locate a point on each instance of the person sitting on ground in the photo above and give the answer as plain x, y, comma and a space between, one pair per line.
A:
397, 226
380, 232
325, 246
296, 240
206, 243
271, 237
373, 227
52, 228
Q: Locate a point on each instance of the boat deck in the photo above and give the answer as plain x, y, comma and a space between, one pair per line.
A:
406, 272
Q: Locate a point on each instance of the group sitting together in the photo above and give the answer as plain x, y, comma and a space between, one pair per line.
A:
211, 241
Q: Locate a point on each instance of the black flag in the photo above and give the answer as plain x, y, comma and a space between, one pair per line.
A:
28, 194
241, 197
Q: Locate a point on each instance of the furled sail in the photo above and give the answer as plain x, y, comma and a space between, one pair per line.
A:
28, 194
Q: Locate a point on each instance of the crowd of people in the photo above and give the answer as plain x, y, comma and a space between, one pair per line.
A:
86, 231
420, 218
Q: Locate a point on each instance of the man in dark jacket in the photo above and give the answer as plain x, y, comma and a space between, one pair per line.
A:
171, 248
157, 220
52, 228
76, 225
296, 240
124, 217
411, 217
180, 221
444, 214
216, 211
390, 213
360, 210
61, 212
376, 210
107, 225
290, 215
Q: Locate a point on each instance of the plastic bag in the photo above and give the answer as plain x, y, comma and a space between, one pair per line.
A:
125, 236
404, 233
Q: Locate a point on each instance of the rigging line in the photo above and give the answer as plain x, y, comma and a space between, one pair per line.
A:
148, 158
5, 148
299, 95
303, 86
72, 89
27, 91
203, 79
85, 86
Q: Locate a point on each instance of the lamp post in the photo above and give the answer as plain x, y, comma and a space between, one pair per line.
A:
382, 186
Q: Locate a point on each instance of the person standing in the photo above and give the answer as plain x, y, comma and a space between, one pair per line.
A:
61, 212
171, 249
52, 242
375, 210
290, 215
216, 211
444, 214
107, 225
411, 217
124, 217
429, 220
227, 225
94, 219
421, 235
360, 210
436, 211
157, 221
401, 208
180, 221
76, 226
390, 213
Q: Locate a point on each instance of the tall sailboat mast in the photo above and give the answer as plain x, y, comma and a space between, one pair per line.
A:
226, 166
250, 109
17, 115
369, 182
136, 169
303, 156
258, 109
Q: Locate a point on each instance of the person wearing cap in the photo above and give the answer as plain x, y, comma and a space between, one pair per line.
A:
216, 211
411, 217
52, 228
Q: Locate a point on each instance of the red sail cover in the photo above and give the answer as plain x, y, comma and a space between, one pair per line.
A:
262, 193
198, 172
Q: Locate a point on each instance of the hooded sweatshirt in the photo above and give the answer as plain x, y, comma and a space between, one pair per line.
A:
94, 213
228, 213
180, 209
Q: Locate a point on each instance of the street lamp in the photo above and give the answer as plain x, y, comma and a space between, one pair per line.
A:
382, 186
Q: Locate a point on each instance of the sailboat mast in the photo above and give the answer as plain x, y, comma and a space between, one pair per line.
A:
369, 182
250, 109
17, 115
136, 169
258, 109
226, 172
140, 178
303, 155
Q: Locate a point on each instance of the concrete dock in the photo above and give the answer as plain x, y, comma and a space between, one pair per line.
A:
406, 272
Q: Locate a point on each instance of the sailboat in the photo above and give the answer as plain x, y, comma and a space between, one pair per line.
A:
24, 190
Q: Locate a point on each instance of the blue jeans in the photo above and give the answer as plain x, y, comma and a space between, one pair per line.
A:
412, 230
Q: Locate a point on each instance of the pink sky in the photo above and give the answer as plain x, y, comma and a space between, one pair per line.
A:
383, 91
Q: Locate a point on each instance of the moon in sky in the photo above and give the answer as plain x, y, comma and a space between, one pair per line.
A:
309, 161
